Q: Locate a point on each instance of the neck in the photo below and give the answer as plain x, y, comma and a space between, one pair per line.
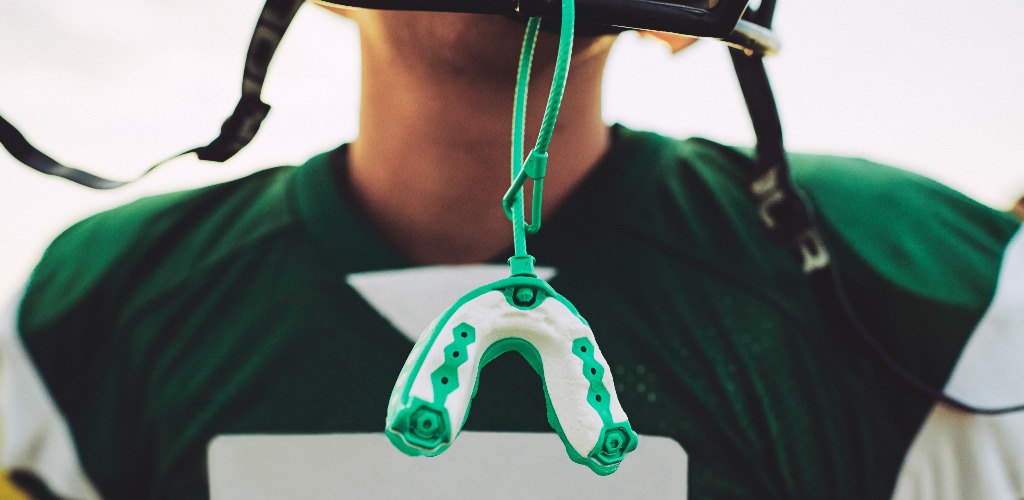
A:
432, 163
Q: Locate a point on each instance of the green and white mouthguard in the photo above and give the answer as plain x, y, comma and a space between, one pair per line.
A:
430, 401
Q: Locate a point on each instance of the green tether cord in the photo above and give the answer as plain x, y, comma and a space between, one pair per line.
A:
536, 163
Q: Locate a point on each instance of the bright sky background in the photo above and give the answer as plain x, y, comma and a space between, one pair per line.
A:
115, 85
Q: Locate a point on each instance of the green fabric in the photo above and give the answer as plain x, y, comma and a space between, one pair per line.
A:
159, 325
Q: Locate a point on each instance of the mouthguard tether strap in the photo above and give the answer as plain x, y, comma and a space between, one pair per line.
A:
431, 399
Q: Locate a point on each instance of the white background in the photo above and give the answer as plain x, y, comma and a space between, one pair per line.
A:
115, 85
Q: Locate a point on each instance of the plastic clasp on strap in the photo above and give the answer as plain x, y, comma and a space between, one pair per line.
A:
812, 252
781, 209
535, 167
522, 265
788, 219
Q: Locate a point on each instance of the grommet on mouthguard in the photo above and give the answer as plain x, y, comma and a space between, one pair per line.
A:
522, 313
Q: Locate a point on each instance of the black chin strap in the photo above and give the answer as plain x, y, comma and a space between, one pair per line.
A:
789, 220
236, 132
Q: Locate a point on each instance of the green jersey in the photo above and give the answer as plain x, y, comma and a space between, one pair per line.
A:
259, 306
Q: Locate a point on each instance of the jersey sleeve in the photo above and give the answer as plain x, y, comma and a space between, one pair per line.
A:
35, 440
77, 372
989, 373
939, 277
57, 369
65, 414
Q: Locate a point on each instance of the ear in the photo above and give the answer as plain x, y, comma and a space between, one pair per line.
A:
675, 42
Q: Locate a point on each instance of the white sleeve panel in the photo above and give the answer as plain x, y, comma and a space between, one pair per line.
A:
958, 455
33, 433
962, 455
990, 371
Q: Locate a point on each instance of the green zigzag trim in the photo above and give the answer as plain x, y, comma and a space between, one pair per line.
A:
445, 379
617, 439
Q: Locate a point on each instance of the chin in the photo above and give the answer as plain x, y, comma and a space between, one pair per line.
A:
469, 45
582, 31
503, 30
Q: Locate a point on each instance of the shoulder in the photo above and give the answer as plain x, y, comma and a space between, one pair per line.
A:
917, 234
831, 182
901, 225
924, 266
161, 238
687, 197
860, 199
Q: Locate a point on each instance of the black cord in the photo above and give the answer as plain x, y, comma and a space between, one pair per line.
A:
829, 283
26, 153
236, 132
